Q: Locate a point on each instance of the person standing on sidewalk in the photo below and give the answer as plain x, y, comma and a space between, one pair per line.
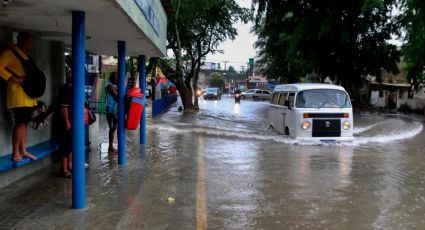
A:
21, 105
111, 90
65, 133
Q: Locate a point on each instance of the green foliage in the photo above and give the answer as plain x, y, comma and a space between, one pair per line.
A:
231, 69
201, 26
217, 81
341, 39
197, 29
131, 65
414, 49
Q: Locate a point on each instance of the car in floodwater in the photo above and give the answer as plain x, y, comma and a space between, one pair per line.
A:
256, 94
212, 93
312, 112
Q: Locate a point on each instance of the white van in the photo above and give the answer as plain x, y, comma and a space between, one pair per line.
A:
312, 112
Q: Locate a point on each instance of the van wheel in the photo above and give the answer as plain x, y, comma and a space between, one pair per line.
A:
286, 131
243, 97
255, 98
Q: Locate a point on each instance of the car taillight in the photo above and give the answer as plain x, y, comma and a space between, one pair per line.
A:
306, 115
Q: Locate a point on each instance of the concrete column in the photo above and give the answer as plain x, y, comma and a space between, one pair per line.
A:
121, 102
142, 84
77, 116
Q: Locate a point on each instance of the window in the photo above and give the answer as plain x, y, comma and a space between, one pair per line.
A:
283, 98
275, 98
322, 98
291, 99
258, 91
266, 92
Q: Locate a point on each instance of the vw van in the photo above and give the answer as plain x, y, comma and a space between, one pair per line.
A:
312, 112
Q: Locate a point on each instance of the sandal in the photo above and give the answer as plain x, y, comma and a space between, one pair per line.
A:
30, 156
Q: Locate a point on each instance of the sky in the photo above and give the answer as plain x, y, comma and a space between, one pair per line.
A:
238, 51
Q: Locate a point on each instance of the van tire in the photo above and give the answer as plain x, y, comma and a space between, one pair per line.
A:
255, 98
287, 131
242, 97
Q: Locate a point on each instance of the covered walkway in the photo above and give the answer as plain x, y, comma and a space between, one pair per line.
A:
118, 28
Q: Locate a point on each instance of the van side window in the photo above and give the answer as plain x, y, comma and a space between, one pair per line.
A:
275, 98
291, 99
283, 98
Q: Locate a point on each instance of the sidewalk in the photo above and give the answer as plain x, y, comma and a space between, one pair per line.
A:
114, 194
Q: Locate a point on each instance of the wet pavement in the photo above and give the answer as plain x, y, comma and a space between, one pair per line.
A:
224, 169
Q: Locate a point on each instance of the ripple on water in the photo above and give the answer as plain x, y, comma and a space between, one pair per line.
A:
382, 132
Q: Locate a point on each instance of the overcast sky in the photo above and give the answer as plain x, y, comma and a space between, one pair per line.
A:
238, 51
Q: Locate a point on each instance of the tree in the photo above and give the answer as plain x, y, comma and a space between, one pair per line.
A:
344, 40
217, 81
196, 29
131, 66
414, 49
231, 69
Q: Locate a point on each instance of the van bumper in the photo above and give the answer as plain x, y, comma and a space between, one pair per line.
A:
324, 139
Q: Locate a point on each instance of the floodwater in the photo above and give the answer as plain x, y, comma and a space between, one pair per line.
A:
254, 178
224, 169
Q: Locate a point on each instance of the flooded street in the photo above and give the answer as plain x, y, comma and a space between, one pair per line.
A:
227, 169
224, 169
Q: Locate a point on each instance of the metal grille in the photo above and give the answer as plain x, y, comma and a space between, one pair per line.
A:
326, 128
326, 115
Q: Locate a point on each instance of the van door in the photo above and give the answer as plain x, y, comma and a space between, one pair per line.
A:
273, 109
290, 118
281, 113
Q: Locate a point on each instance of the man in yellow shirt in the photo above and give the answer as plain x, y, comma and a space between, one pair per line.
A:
18, 101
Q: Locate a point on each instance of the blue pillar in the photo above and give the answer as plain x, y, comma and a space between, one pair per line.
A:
121, 102
142, 83
77, 116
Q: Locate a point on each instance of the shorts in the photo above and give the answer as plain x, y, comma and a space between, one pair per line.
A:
65, 143
22, 115
112, 121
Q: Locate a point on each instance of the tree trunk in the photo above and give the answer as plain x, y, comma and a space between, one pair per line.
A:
183, 96
189, 91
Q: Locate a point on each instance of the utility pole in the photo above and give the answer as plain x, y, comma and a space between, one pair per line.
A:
225, 65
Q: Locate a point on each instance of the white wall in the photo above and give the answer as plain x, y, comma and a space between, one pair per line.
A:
377, 101
50, 59
413, 103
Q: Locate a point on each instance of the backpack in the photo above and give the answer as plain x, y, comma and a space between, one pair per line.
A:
35, 81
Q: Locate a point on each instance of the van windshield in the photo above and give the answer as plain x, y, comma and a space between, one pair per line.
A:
322, 98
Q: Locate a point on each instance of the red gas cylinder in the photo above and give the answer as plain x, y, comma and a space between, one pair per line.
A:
135, 92
135, 109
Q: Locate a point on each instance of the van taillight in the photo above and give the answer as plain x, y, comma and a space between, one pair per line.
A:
306, 115
346, 115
